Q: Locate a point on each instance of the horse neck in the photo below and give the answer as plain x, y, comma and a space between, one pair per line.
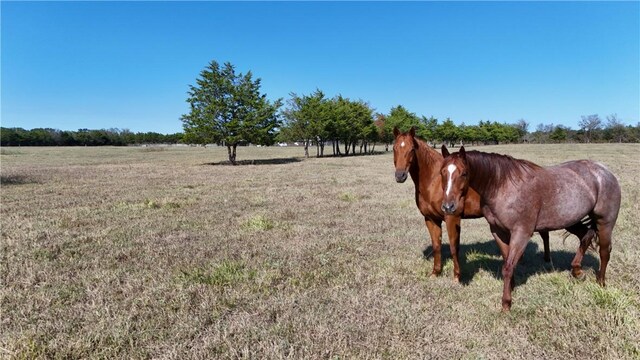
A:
427, 164
491, 172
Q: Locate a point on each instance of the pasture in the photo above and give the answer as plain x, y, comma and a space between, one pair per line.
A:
156, 253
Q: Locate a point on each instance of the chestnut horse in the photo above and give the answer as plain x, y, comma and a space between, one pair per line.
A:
413, 156
519, 197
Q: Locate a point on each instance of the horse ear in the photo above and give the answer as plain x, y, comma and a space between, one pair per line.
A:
463, 153
395, 131
445, 151
412, 131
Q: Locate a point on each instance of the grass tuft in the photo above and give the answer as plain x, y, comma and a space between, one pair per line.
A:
609, 298
259, 223
348, 197
228, 273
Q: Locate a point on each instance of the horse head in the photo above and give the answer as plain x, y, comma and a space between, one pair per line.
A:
404, 152
455, 180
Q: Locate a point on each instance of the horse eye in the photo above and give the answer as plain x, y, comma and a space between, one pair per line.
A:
464, 174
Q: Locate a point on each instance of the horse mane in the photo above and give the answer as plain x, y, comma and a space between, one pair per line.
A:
490, 171
426, 151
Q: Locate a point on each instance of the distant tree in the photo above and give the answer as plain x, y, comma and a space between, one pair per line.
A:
615, 129
228, 108
383, 134
559, 134
589, 124
469, 133
448, 132
541, 135
429, 128
305, 119
522, 127
403, 119
484, 132
354, 122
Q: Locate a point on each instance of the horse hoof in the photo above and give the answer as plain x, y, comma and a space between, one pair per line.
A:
579, 276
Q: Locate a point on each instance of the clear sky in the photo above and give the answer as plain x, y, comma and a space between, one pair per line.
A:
128, 65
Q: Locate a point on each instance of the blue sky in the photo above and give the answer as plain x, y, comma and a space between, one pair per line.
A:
71, 65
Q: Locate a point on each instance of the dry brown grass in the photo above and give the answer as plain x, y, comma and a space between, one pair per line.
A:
130, 253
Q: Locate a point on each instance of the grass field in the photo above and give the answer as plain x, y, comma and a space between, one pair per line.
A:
157, 253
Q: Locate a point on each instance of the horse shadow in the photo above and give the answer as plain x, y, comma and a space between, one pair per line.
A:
486, 256
16, 180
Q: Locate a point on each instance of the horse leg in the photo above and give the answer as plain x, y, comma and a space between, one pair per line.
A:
545, 240
453, 230
517, 244
435, 231
585, 234
604, 238
501, 239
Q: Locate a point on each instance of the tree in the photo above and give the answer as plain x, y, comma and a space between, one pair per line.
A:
469, 133
306, 117
448, 132
383, 134
559, 134
402, 119
228, 108
615, 129
522, 127
589, 124
354, 121
429, 128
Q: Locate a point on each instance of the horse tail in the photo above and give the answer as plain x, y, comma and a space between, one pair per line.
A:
591, 235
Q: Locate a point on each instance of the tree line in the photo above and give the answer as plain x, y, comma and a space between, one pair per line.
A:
314, 120
227, 108
83, 137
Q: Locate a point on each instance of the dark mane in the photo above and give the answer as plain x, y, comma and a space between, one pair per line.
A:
426, 150
490, 170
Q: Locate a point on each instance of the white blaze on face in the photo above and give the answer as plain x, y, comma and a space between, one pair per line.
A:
402, 144
451, 168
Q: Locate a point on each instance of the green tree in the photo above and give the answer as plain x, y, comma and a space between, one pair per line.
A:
403, 119
469, 133
228, 108
428, 129
559, 134
383, 134
353, 122
448, 132
305, 119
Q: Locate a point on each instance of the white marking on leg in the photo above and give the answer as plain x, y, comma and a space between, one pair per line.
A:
451, 168
402, 144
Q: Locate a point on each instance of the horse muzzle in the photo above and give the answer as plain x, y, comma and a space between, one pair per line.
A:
448, 208
401, 176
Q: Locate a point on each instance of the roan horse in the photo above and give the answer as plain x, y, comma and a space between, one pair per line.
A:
413, 156
519, 197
